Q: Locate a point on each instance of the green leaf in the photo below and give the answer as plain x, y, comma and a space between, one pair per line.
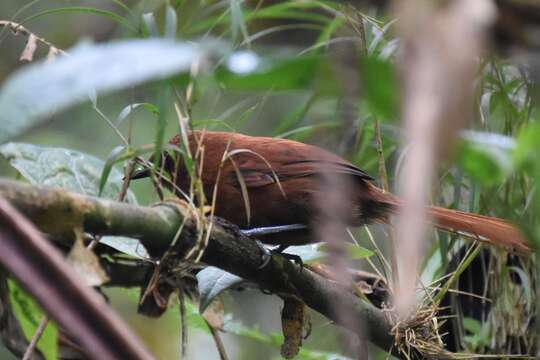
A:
59, 167
170, 23
381, 91
39, 90
315, 252
86, 10
279, 75
357, 252
233, 326
107, 168
472, 325
487, 165
486, 156
125, 245
527, 149
296, 10
212, 282
29, 315
238, 24
150, 25
128, 110
194, 317
308, 253
73, 171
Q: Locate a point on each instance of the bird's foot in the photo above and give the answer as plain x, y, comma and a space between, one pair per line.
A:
266, 254
292, 257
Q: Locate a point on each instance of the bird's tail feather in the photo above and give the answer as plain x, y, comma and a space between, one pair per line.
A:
489, 229
493, 230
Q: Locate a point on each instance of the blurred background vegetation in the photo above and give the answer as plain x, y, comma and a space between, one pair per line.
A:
321, 72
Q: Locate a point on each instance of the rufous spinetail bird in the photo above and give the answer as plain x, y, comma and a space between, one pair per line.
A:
284, 181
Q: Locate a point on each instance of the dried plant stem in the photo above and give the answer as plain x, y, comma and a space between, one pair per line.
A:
380, 151
219, 344
471, 255
20, 29
183, 324
35, 338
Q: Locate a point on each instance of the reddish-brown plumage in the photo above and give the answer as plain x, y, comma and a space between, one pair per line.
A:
298, 195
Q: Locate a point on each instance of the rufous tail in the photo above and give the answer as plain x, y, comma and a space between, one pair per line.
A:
484, 228
493, 230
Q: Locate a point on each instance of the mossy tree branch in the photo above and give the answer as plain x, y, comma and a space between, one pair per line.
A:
57, 211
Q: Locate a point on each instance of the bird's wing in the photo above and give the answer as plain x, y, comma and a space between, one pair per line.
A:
301, 168
257, 173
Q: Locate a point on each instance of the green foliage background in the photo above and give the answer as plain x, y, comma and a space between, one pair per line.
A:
289, 84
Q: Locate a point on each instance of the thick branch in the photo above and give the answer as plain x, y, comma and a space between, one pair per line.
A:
57, 212
227, 249
40, 268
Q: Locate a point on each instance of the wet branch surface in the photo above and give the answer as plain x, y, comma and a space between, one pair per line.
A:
57, 212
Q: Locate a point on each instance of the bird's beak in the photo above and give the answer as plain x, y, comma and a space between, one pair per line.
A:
141, 174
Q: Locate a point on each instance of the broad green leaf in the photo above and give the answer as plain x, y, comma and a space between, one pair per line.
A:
527, 149
59, 167
73, 171
480, 335
233, 326
489, 139
39, 90
315, 252
126, 245
212, 282
308, 253
279, 75
487, 165
472, 325
194, 317
29, 315
486, 156
380, 87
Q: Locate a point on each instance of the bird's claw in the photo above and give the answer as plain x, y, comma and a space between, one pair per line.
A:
266, 255
294, 258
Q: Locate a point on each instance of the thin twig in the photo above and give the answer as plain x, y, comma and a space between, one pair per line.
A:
35, 338
183, 324
219, 344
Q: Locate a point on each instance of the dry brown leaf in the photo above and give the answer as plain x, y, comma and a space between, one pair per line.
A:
29, 49
292, 324
86, 263
53, 52
214, 314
